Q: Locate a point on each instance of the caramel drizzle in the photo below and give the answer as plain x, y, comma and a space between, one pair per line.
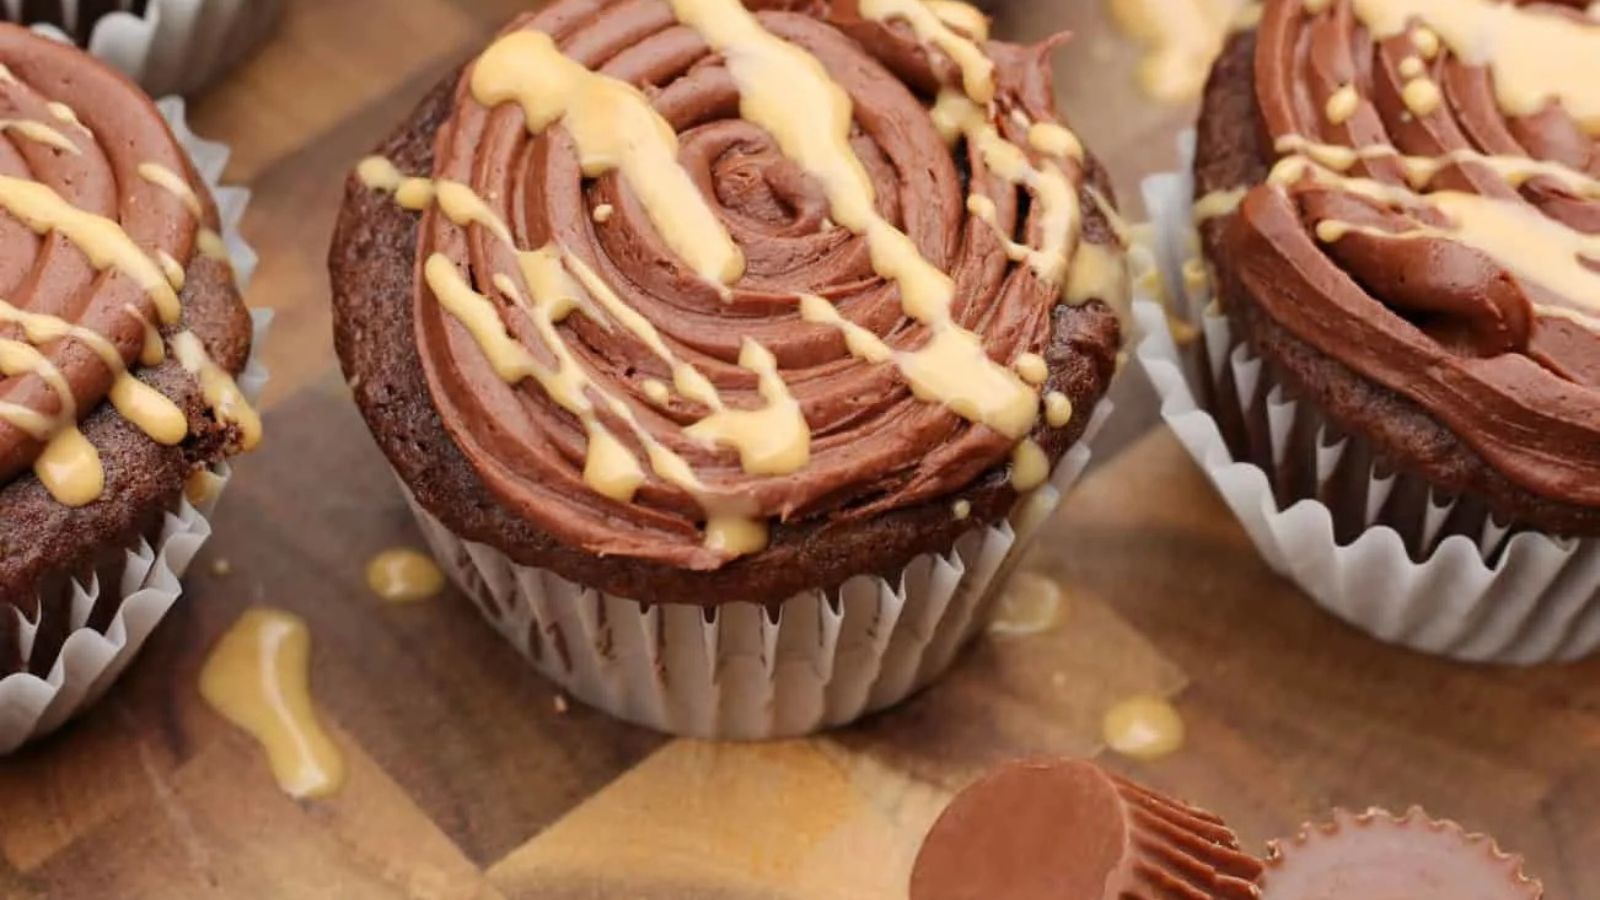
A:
1536, 57
40, 133
932, 27
615, 128
69, 466
1532, 57
787, 92
1519, 239
258, 678
1182, 38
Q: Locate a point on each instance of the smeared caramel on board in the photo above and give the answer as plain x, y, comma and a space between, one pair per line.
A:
404, 575
258, 678
1143, 728
1030, 604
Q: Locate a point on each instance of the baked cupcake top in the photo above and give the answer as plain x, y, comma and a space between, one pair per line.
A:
689, 274
1427, 212
120, 326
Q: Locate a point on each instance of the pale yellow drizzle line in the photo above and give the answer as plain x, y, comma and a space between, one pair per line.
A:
772, 440
787, 92
1535, 57
1217, 204
1514, 235
220, 391
961, 15
403, 575
1030, 467
212, 247
1144, 728
1059, 216
69, 467
65, 114
153, 351
379, 174
609, 468
1342, 105
1422, 170
174, 269
615, 128
1057, 409
1030, 604
210, 243
173, 183
258, 678
6, 77
1033, 369
1182, 38
930, 27
100, 239
41, 133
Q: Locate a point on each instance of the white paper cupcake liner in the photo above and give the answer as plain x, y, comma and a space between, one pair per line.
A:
175, 46
734, 671
147, 585
1440, 576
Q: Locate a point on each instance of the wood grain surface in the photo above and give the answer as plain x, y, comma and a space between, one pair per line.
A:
469, 779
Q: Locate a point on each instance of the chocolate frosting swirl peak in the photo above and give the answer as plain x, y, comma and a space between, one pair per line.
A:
1433, 219
653, 329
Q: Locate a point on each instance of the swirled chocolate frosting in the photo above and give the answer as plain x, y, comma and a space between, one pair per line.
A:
687, 268
1433, 217
100, 221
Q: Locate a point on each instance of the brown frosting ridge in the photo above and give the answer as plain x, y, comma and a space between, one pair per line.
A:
874, 446
1431, 319
45, 274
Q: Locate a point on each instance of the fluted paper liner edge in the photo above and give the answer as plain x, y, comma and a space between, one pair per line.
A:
738, 673
174, 46
1538, 602
89, 660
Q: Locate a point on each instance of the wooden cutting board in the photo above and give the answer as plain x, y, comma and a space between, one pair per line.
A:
469, 780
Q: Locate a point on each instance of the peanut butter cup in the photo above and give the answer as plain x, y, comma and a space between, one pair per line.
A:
698, 303
1069, 830
120, 331
1379, 856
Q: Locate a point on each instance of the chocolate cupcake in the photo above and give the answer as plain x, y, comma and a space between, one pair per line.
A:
715, 345
1398, 205
1054, 830
168, 46
1378, 855
121, 331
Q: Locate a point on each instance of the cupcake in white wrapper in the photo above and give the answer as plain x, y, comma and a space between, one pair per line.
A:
735, 420
1380, 549
168, 46
112, 610
738, 672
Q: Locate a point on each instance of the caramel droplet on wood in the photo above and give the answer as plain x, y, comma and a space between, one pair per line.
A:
1144, 728
403, 575
258, 678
